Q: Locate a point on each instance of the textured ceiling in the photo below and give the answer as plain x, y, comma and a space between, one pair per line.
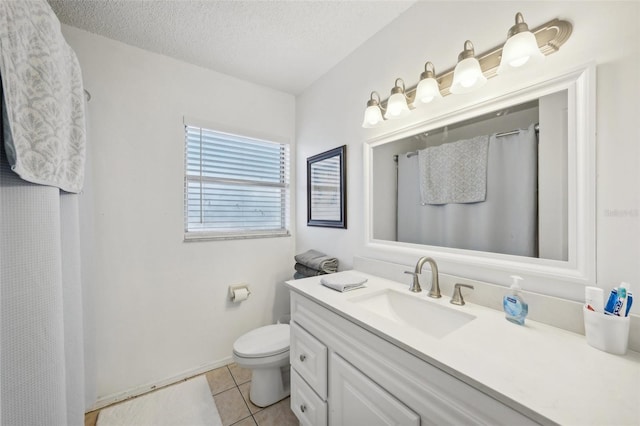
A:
286, 45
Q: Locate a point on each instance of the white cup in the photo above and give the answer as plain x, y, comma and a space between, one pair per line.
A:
608, 333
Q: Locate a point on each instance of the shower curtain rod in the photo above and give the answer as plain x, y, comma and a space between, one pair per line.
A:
498, 135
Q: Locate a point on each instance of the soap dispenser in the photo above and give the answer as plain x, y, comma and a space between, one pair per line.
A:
515, 308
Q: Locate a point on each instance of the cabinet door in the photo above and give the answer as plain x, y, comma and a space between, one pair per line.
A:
356, 400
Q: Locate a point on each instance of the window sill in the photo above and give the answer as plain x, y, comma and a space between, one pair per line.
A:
206, 236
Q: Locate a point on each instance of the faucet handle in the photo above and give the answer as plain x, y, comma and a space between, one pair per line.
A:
415, 284
457, 298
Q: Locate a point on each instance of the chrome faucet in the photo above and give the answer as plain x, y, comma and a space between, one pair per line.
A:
435, 285
457, 298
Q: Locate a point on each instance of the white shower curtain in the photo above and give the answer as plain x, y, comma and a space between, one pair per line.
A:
506, 222
41, 354
41, 319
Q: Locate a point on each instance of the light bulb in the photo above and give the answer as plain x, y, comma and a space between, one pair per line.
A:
397, 104
519, 62
373, 113
427, 89
467, 76
521, 47
372, 116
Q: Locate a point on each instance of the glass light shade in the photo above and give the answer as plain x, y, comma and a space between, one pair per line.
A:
426, 91
467, 76
372, 117
520, 49
397, 106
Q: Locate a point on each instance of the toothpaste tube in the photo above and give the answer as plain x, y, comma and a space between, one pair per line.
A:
626, 306
611, 303
620, 301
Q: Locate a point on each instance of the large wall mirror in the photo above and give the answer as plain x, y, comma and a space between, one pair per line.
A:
508, 183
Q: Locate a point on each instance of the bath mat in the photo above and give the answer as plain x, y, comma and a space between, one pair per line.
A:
185, 404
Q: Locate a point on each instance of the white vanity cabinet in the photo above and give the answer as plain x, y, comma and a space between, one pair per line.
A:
345, 375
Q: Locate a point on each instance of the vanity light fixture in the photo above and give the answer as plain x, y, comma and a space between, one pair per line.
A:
467, 75
428, 88
373, 113
521, 47
397, 106
549, 37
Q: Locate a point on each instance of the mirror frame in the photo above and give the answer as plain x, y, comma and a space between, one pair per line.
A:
341, 153
580, 267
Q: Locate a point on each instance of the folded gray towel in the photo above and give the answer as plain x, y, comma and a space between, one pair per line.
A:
299, 276
344, 281
318, 261
306, 271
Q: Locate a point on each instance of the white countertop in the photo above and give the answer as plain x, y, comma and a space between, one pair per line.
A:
550, 371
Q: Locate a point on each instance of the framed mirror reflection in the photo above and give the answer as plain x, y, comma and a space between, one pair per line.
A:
327, 189
495, 183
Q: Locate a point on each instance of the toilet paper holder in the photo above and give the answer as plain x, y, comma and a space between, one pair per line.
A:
238, 293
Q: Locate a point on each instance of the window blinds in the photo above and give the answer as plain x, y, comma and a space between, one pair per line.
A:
235, 187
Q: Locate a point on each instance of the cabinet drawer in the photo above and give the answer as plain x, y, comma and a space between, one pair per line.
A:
309, 359
305, 404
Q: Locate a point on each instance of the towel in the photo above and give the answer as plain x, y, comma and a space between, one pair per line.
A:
43, 97
306, 271
454, 172
344, 281
319, 261
299, 276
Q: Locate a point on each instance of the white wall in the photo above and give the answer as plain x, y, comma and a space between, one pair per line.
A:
160, 306
330, 112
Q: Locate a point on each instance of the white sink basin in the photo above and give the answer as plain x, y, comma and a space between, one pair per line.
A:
414, 312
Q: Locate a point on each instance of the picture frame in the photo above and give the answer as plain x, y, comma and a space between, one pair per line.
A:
327, 189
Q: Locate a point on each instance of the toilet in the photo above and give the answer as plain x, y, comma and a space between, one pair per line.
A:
265, 351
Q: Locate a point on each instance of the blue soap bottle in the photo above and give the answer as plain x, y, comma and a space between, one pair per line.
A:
515, 308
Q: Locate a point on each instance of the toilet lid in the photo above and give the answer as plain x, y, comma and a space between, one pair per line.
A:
263, 341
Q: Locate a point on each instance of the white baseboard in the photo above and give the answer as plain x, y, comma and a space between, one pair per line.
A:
140, 390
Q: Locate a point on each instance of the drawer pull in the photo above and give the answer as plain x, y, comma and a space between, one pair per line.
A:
303, 408
303, 357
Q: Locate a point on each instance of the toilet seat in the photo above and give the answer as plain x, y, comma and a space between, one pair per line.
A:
263, 342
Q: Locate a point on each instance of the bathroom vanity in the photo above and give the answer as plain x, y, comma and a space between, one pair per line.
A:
383, 355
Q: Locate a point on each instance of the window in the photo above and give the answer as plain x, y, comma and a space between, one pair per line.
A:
235, 186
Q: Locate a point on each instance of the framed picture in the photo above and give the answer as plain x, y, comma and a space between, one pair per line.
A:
327, 189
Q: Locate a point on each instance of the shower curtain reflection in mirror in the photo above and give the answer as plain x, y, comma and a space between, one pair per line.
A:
505, 222
516, 204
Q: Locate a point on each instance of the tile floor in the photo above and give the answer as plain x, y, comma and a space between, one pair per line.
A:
230, 389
